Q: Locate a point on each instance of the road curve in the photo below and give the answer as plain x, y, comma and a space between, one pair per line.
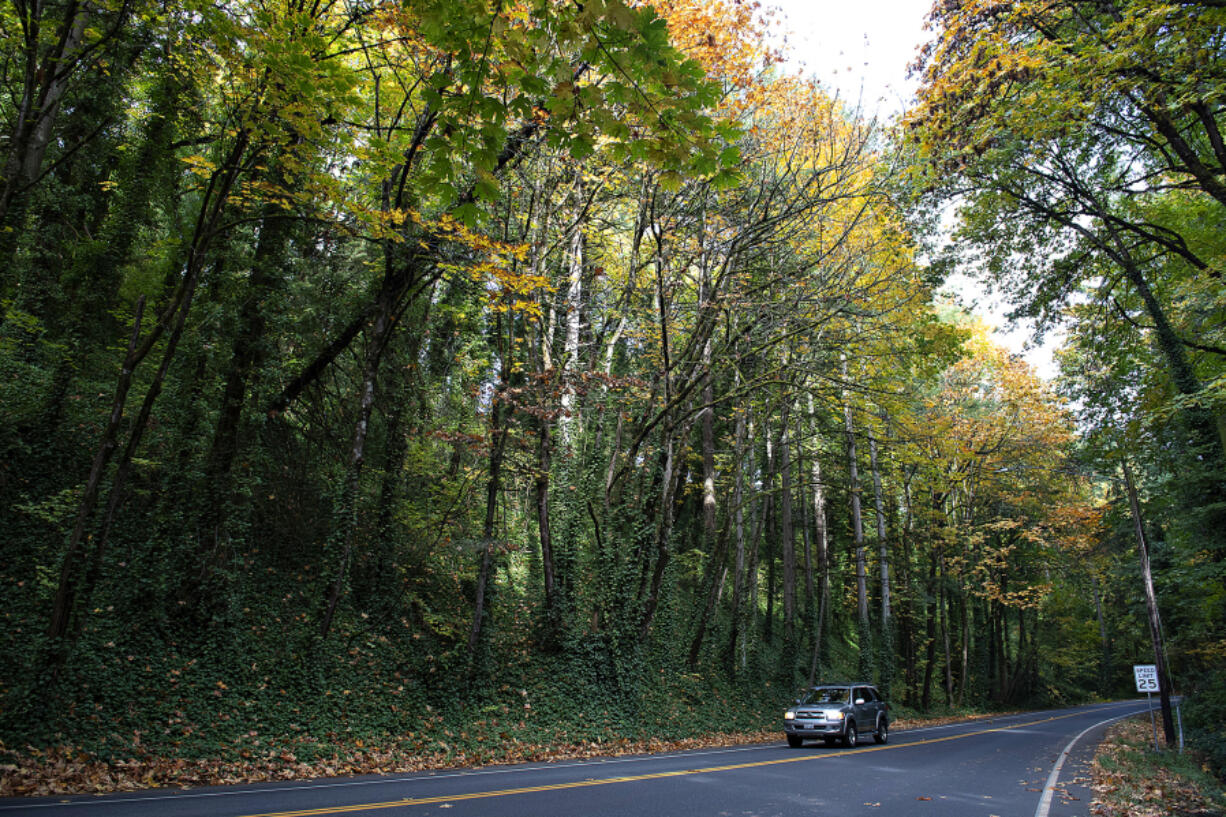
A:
1027, 765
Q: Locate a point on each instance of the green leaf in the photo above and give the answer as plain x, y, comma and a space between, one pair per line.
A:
468, 213
486, 190
581, 148
671, 181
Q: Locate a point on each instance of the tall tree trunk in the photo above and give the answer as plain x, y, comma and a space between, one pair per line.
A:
544, 448
1207, 429
172, 319
930, 614
713, 581
707, 422
345, 515
541, 213
753, 596
1016, 680
887, 625
786, 538
70, 569
821, 546
965, 674
739, 574
949, 664
1104, 656
493, 487
823, 567
907, 616
45, 81
1005, 655
857, 524
768, 625
1151, 606
389, 491
246, 354
707, 428
806, 527
663, 530
142, 171
882, 542
136, 434
574, 317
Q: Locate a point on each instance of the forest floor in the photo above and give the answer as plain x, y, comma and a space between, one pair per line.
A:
64, 770
1132, 780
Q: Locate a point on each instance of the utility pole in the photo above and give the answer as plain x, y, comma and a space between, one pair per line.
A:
1151, 607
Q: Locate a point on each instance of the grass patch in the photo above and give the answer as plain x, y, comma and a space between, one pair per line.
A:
1132, 780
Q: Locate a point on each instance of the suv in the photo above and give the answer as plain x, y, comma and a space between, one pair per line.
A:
837, 712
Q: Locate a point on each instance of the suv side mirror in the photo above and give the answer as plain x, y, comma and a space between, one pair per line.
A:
859, 702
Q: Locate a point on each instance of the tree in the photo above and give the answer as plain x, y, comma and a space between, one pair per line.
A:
1061, 177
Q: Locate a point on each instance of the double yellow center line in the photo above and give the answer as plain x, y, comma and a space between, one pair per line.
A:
607, 781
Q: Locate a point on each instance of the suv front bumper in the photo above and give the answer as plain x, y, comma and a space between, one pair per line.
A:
814, 729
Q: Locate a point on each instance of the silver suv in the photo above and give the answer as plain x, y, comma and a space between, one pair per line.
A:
837, 712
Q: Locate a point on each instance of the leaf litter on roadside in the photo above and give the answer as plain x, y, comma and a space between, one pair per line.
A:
1131, 780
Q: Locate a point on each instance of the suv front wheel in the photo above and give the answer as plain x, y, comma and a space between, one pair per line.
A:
851, 737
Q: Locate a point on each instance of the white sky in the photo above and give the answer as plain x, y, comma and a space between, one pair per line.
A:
861, 49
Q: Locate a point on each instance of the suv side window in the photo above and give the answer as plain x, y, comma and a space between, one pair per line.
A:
870, 695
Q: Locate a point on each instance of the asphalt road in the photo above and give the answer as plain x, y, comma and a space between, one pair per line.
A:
1030, 765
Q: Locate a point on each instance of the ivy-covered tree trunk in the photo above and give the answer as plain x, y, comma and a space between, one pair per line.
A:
886, 643
170, 324
787, 538
45, 80
345, 516
857, 526
823, 567
943, 602
246, 354
713, 542
497, 437
146, 173
663, 528
930, 632
541, 482
73, 565
737, 652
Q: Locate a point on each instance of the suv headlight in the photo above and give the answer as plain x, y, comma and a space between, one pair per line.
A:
789, 715
834, 716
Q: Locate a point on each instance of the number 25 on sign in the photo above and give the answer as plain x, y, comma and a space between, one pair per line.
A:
1147, 677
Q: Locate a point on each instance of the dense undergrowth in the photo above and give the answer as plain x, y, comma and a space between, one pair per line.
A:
260, 695
177, 723
182, 724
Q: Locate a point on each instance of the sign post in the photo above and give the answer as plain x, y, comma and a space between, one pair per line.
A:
1146, 676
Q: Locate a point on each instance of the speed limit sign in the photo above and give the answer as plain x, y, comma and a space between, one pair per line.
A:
1147, 677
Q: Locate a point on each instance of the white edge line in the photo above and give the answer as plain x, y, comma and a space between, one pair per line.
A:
1052, 779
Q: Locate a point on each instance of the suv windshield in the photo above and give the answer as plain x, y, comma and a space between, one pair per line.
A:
825, 695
